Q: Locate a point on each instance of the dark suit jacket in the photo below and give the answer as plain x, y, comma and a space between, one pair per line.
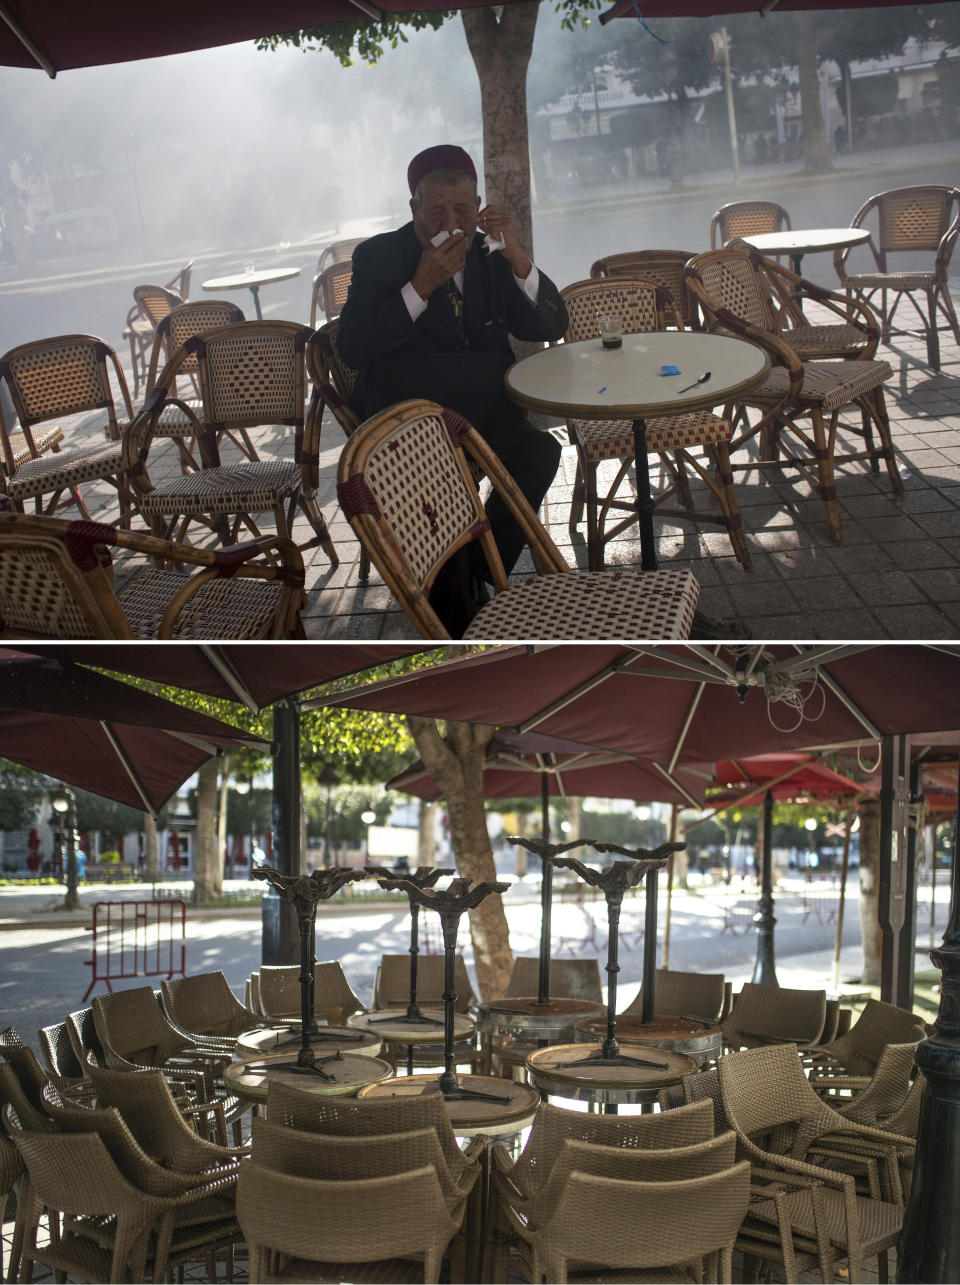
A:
375, 324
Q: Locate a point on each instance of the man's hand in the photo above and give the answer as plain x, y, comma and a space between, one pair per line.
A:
438, 263
502, 225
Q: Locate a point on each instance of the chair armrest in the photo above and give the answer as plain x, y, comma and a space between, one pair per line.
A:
475, 1148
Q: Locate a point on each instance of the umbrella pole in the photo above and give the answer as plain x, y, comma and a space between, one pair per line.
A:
844, 867
674, 827
648, 987
546, 896
764, 971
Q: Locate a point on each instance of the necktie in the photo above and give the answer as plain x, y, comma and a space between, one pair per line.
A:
456, 305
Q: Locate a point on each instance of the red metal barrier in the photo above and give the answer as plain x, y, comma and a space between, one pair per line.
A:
137, 939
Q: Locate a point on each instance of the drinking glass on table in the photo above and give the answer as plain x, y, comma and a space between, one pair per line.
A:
610, 326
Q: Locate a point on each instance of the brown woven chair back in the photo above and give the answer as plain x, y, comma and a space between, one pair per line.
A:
735, 280
774, 1015
334, 378
697, 995
252, 373
13, 1097
643, 306
747, 218
696, 1088
878, 1025
83, 1036
205, 1004
391, 986
131, 1027
61, 376
23, 1062
58, 1052
887, 1092
181, 324
386, 1220
570, 978
664, 267
279, 991
330, 290
155, 302
339, 252
912, 218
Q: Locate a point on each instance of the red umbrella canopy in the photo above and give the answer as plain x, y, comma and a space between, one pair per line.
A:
786, 776
712, 8
255, 674
98, 734
688, 703
515, 772
60, 34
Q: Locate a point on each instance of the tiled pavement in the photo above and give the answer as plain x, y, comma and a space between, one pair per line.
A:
896, 574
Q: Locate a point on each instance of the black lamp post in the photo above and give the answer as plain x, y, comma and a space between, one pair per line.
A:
65, 804
764, 970
929, 1247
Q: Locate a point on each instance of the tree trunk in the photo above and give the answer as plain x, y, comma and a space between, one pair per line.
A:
501, 48
869, 891
151, 848
207, 861
222, 837
574, 818
455, 760
681, 861
427, 836
816, 153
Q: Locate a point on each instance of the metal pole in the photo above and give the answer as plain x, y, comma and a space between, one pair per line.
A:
929, 1246
764, 970
281, 944
731, 110
546, 896
648, 992
72, 899
844, 867
674, 827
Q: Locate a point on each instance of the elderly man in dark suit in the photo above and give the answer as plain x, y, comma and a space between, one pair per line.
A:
429, 313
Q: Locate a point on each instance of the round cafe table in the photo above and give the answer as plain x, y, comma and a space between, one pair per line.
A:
584, 380
697, 1040
286, 1038
800, 241
469, 1116
251, 1077
610, 1085
251, 281
391, 1025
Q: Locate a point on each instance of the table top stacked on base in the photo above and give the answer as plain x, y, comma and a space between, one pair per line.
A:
401, 1031
680, 1034
348, 1073
470, 1116
285, 1037
593, 1082
525, 1017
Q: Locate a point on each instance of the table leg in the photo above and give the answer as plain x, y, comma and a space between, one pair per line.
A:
409, 1059
796, 262
255, 291
648, 546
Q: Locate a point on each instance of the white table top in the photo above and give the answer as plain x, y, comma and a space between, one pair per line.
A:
587, 381
807, 240
259, 277
378, 1021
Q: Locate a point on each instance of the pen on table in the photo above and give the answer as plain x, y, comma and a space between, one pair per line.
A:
603, 389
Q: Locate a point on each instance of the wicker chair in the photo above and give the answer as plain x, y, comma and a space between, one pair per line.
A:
570, 978
205, 1004
399, 1222
330, 289
151, 305
391, 989
339, 252
50, 379
859, 1051
698, 995
876, 1098
799, 401
84, 1039
746, 218
11, 1171
405, 488
644, 306
172, 332
167, 1131
251, 993
56, 581
109, 1223
923, 219
606, 1211
66, 1070
774, 1015
251, 373
333, 999
782, 1124
663, 267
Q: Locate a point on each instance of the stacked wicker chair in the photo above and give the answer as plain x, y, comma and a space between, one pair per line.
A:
645, 306
56, 581
859, 1050
699, 995
800, 402
330, 289
391, 989
405, 487
333, 998
774, 1015
205, 1005
151, 305
924, 219
569, 978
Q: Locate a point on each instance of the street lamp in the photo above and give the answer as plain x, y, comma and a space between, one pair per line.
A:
368, 817
65, 803
329, 778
